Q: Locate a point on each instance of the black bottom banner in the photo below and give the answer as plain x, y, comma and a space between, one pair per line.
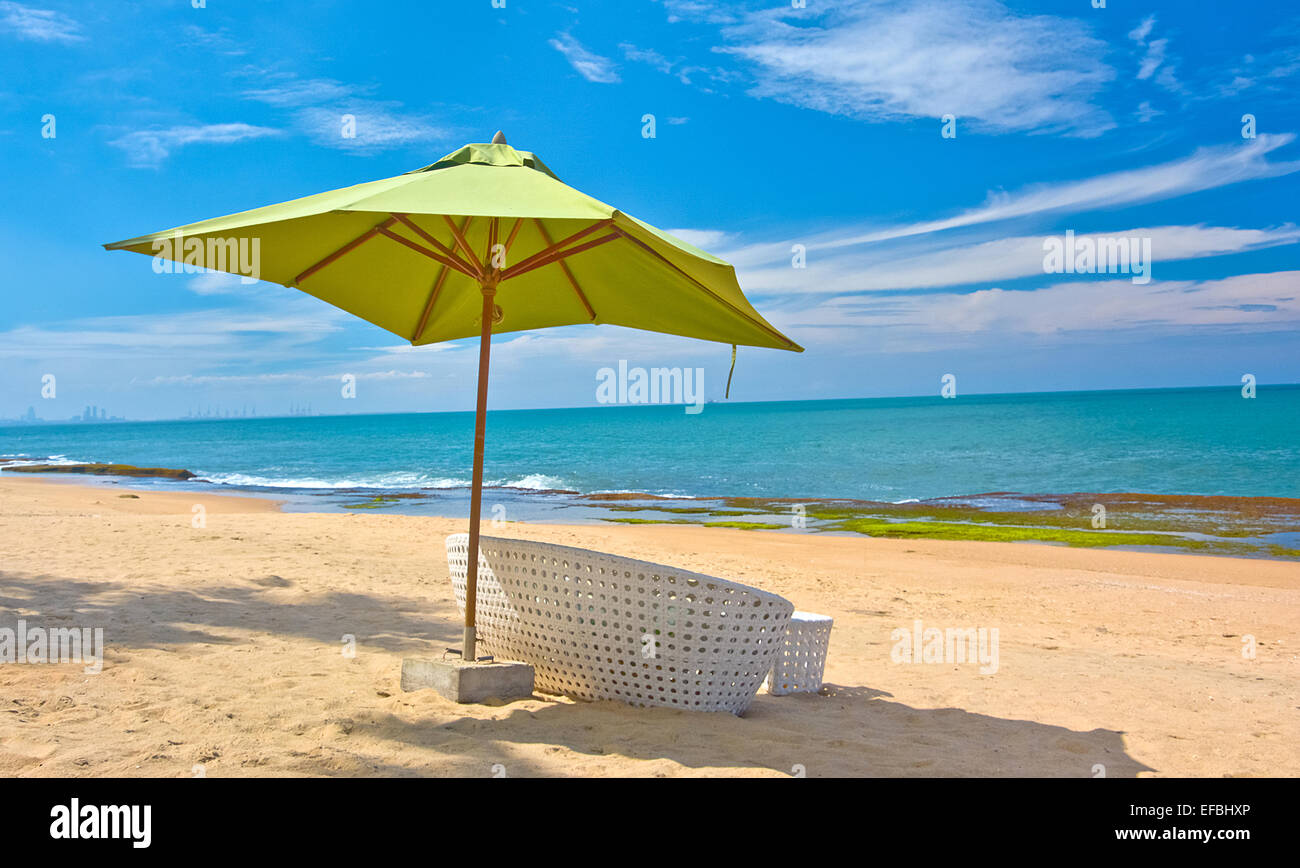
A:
331, 817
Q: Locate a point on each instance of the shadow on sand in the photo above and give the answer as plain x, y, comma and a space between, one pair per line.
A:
132, 618
844, 731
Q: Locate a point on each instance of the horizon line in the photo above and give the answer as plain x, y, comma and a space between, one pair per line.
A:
120, 420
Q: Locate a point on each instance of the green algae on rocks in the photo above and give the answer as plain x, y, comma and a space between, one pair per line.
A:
103, 470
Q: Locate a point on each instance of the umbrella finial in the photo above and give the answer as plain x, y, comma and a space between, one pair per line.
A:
499, 138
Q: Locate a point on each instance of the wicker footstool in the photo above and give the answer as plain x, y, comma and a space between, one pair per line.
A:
801, 659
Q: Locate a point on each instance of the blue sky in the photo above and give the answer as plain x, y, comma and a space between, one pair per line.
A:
774, 127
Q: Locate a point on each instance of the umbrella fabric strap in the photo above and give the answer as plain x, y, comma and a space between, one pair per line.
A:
732, 371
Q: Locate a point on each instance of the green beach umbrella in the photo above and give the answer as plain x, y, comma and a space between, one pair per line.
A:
486, 240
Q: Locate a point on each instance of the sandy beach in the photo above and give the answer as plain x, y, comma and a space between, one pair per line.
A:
224, 653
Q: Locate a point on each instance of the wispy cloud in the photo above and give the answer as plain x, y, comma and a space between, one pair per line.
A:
705, 239
976, 59
1270, 72
698, 10
588, 64
148, 148
368, 126
218, 41
38, 25
1257, 302
684, 72
1155, 57
292, 92
1140, 33
215, 283
1205, 169
1001, 259
339, 115
1145, 112
647, 56
218, 336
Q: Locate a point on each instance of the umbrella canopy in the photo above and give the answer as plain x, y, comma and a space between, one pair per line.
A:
485, 240
411, 253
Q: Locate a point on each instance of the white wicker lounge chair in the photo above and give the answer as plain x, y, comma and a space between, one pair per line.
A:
598, 626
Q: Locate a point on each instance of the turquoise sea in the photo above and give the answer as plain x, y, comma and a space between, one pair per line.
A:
1210, 441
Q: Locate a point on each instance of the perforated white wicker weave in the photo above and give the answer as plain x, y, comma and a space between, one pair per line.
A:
598, 626
801, 659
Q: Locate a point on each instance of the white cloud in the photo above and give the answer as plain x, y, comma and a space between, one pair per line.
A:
300, 92
266, 322
1154, 57
698, 10
376, 126
1140, 33
648, 56
705, 239
1270, 71
1145, 112
325, 109
1256, 302
1205, 169
976, 59
148, 148
589, 65
1001, 259
683, 71
214, 336
1284, 64
213, 283
218, 41
38, 25
597, 346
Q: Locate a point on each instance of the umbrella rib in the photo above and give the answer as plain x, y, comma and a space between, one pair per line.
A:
573, 281
459, 233
443, 271
436, 257
428, 305
446, 251
556, 255
493, 226
719, 299
528, 264
514, 230
346, 248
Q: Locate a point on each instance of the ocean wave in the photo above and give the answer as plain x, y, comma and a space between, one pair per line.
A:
533, 482
663, 494
396, 481
22, 459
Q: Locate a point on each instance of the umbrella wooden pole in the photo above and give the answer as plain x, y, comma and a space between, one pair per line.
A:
469, 651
